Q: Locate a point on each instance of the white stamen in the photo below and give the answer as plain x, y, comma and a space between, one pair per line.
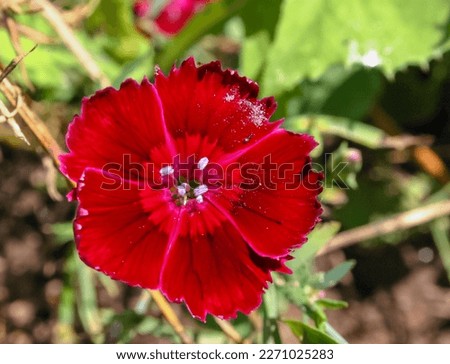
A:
200, 190
199, 199
181, 190
202, 163
186, 186
165, 171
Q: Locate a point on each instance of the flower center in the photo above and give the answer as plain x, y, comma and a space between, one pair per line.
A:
184, 189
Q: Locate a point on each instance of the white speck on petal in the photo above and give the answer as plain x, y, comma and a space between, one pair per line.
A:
256, 112
229, 97
199, 199
165, 171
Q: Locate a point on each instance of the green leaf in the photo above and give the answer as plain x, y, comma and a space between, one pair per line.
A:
316, 313
331, 304
309, 335
87, 302
271, 302
313, 35
260, 15
65, 330
63, 232
355, 96
340, 91
271, 315
352, 130
260, 19
317, 239
440, 230
331, 331
333, 276
253, 54
213, 14
136, 69
67, 75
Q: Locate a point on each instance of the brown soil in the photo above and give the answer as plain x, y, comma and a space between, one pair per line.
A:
396, 294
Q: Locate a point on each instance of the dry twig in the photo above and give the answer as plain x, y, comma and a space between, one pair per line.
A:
13, 64
8, 117
170, 316
229, 330
425, 157
402, 221
13, 32
34, 35
54, 17
36, 125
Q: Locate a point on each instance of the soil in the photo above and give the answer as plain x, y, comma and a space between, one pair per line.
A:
396, 294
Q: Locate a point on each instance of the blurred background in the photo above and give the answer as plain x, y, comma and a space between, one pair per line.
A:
369, 79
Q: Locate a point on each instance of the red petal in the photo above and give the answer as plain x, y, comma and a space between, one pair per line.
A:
115, 124
275, 218
175, 15
115, 232
141, 8
214, 272
216, 105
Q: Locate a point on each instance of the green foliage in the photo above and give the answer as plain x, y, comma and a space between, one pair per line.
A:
313, 35
213, 15
317, 239
332, 277
308, 334
329, 62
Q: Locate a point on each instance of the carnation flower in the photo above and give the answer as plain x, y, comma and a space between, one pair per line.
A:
173, 16
186, 186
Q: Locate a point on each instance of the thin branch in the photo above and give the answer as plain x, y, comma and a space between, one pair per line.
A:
80, 12
36, 125
56, 20
424, 156
14, 37
13, 64
402, 221
170, 316
401, 142
8, 117
34, 35
229, 330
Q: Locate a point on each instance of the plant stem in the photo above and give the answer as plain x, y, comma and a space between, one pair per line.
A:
229, 330
402, 221
170, 316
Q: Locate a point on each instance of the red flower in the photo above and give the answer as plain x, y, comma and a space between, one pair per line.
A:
186, 187
173, 16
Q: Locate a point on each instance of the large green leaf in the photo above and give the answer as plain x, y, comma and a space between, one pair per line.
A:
313, 35
260, 19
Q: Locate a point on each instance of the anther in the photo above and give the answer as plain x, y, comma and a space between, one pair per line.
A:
165, 171
200, 190
202, 163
